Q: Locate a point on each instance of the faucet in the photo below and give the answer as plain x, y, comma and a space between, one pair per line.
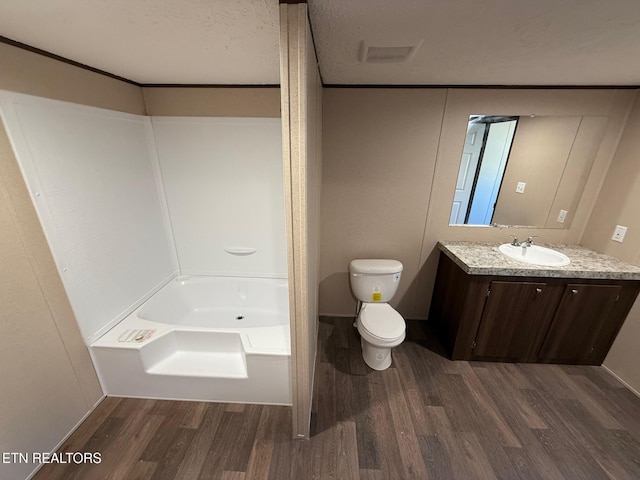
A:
527, 243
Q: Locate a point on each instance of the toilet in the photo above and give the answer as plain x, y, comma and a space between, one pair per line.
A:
374, 282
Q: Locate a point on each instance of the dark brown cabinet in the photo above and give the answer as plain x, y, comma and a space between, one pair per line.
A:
528, 319
514, 314
578, 327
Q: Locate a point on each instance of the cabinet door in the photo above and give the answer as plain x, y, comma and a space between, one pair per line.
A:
514, 315
574, 332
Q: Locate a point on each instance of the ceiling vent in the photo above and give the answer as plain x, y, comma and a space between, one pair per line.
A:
387, 54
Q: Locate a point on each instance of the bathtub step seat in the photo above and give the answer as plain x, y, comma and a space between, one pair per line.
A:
201, 364
193, 365
195, 354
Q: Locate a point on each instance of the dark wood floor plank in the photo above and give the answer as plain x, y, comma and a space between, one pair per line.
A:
559, 442
231, 448
194, 459
368, 474
84, 432
368, 454
233, 476
467, 458
260, 460
571, 460
509, 399
487, 410
546, 379
580, 385
343, 387
142, 471
171, 459
435, 457
522, 467
326, 396
615, 451
243, 439
411, 390
530, 460
427, 368
99, 441
624, 449
384, 431
136, 440
412, 462
347, 451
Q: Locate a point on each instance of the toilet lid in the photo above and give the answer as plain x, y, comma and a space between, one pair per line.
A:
382, 321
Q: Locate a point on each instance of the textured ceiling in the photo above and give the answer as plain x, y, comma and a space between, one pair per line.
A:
465, 42
155, 41
482, 42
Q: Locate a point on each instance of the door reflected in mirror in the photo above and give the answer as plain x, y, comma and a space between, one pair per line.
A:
524, 170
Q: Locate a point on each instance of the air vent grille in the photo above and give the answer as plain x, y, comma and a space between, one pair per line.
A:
387, 54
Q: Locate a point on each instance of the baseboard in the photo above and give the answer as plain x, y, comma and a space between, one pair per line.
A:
637, 394
71, 432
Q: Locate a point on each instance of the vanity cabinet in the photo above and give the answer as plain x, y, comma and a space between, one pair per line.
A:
513, 316
528, 319
584, 325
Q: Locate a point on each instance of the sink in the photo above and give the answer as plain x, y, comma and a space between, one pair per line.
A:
535, 255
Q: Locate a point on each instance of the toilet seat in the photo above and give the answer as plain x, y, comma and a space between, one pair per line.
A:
382, 322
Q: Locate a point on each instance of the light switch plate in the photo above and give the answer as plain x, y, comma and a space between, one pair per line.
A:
561, 216
619, 233
520, 187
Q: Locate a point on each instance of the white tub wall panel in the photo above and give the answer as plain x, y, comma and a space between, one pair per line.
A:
91, 178
224, 185
162, 196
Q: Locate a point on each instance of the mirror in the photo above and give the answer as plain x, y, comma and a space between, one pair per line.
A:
524, 170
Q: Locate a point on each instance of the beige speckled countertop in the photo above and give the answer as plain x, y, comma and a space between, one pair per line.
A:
485, 259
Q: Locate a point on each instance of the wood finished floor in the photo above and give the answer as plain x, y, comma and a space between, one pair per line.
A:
426, 417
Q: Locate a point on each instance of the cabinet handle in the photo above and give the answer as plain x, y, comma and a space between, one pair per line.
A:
538, 290
574, 291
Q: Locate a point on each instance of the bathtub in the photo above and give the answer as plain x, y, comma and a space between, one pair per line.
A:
220, 339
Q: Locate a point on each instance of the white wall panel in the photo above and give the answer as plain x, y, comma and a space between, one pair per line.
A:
90, 174
224, 186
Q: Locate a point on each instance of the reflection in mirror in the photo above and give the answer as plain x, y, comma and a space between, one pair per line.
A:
524, 170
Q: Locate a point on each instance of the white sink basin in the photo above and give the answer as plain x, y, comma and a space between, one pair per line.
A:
535, 255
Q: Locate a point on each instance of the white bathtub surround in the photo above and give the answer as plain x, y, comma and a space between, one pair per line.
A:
127, 203
224, 185
216, 338
91, 178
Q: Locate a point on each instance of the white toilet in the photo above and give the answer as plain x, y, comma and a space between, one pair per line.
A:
374, 283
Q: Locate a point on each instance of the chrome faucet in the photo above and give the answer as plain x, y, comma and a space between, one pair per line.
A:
527, 243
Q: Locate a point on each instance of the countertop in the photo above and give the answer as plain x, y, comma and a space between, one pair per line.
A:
477, 258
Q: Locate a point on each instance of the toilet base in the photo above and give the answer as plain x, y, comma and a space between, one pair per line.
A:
378, 358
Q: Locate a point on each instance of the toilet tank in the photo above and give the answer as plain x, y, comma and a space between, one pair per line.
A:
374, 280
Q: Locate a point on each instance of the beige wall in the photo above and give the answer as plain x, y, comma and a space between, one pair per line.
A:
302, 142
49, 382
26, 72
379, 150
391, 160
618, 204
212, 101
